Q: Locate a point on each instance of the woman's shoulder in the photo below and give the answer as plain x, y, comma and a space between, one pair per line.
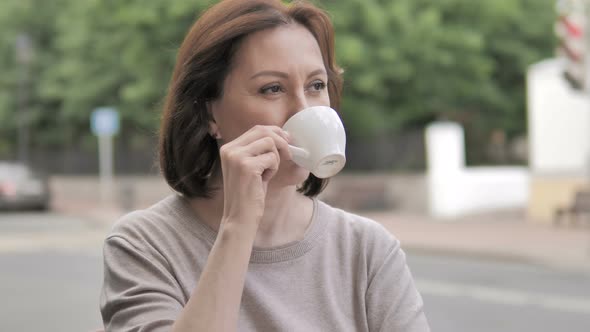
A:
143, 224
359, 229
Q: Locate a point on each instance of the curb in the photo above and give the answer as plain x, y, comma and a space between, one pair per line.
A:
574, 267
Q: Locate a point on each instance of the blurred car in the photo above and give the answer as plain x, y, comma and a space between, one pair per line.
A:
22, 188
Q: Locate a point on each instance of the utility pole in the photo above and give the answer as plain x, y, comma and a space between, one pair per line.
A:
587, 67
573, 31
24, 57
104, 123
586, 58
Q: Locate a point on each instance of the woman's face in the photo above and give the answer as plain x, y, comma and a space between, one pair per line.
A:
275, 73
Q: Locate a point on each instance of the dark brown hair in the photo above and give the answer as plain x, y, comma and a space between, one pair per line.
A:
189, 156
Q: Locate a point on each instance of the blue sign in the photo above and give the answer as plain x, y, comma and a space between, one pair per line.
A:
104, 121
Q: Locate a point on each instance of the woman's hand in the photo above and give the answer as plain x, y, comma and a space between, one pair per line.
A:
248, 163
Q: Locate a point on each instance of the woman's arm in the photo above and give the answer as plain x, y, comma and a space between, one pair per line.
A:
140, 293
393, 302
215, 302
247, 163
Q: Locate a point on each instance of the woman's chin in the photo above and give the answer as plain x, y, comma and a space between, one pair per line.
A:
300, 175
291, 175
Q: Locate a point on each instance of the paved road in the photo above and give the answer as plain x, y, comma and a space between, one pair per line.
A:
51, 274
466, 294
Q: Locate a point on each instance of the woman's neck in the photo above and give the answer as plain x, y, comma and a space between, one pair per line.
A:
287, 214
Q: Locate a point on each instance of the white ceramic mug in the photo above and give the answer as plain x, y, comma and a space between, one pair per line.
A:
319, 140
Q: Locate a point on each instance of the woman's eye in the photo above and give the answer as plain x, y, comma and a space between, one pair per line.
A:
272, 89
317, 86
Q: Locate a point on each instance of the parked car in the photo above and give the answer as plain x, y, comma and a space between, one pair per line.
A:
22, 188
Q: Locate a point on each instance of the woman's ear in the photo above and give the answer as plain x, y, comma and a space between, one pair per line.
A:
213, 127
214, 130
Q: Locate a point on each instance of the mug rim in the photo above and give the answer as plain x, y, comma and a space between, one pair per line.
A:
307, 110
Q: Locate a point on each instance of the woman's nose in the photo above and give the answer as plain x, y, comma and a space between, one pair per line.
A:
299, 102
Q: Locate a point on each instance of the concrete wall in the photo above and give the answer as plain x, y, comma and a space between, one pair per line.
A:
455, 190
352, 192
559, 122
403, 192
547, 194
559, 139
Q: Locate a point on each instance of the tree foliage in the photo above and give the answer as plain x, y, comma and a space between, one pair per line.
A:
407, 62
410, 62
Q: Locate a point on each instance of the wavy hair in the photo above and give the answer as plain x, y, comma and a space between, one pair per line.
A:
188, 155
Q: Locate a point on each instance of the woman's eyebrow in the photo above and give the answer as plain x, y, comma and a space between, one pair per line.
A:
316, 72
270, 73
283, 74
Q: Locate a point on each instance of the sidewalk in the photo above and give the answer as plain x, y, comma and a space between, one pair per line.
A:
503, 236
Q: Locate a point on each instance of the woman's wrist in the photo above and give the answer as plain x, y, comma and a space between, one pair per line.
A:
237, 230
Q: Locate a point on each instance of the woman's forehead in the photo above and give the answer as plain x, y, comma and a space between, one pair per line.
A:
289, 46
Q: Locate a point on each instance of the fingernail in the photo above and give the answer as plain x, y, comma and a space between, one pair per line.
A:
287, 135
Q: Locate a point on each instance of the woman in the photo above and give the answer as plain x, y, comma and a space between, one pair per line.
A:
244, 244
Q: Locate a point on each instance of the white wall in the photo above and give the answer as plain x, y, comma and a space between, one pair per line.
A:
559, 122
455, 190
445, 153
492, 188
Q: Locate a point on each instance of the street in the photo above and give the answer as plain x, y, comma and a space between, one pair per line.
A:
467, 294
51, 275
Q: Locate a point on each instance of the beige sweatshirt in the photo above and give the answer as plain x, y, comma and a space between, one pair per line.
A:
347, 274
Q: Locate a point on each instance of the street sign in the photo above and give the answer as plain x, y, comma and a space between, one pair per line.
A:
104, 121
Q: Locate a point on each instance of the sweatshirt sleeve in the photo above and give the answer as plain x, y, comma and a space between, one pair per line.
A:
393, 302
138, 293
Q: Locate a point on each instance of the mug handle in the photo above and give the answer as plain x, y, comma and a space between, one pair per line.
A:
298, 152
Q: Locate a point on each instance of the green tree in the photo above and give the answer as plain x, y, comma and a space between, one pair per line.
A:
410, 62
35, 19
89, 54
118, 53
406, 62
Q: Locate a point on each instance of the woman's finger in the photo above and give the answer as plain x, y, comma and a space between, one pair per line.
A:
280, 137
267, 164
260, 146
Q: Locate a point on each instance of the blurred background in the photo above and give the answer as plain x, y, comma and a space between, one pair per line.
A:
468, 137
